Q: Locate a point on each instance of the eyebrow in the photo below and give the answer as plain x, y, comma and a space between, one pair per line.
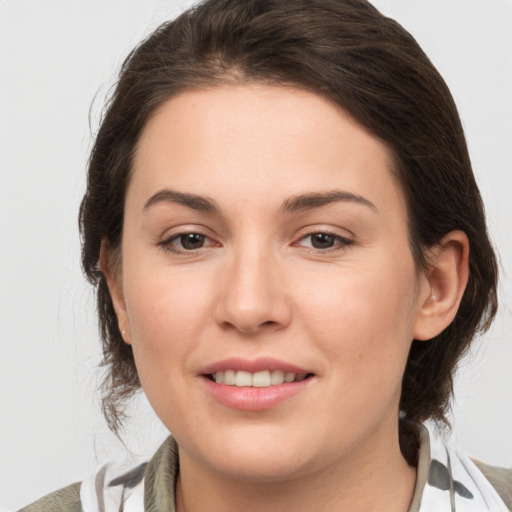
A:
193, 201
298, 203
313, 200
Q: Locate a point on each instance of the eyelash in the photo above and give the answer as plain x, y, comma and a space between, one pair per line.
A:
167, 244
341, 243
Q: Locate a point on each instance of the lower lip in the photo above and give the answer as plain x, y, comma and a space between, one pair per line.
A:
251, 398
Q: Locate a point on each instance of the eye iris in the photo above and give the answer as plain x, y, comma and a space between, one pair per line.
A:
322, 240
192, 241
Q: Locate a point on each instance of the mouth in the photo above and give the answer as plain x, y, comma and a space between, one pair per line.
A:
260, 379
255, 385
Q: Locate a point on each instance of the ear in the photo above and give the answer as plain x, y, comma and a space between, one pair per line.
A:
111, 268
445, 279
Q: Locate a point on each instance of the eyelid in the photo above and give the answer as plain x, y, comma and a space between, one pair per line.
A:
165, 242
346, 242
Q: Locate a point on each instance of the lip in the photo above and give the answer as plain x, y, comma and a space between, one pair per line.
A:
252, 366
253, 399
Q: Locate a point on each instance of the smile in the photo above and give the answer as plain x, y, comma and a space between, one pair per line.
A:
255, 384
261, 379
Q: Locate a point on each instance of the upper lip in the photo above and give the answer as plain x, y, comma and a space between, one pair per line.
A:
251, 365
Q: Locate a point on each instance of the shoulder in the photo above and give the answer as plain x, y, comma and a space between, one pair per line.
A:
109, 489
499, 478
447, 476
64, 500
145, 486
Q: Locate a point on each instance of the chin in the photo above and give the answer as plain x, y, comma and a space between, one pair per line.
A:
254, 454
265, 467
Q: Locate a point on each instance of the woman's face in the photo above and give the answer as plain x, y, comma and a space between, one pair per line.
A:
265, 239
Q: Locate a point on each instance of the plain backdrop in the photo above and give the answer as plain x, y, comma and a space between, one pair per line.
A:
56, 57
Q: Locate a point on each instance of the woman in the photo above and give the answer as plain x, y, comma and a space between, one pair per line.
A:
290, 256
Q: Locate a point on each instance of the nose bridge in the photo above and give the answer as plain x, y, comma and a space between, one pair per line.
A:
252, 294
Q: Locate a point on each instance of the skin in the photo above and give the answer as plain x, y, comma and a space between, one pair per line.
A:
258, 287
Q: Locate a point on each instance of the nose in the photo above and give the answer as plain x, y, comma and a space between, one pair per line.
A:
252, 295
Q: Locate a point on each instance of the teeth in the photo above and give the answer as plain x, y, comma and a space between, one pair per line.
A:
229, 377
277, 377
261, 379
243, 379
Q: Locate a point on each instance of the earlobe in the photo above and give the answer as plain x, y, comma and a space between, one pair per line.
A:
446, 279
110, 268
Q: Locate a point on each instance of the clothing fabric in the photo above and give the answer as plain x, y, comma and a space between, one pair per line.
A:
447, 481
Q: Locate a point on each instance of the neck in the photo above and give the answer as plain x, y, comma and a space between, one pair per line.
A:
368, 480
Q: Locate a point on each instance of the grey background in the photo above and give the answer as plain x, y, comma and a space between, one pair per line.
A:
55, 57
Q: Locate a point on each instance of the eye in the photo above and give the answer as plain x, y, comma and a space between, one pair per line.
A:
324, 241
190, 241
186, 242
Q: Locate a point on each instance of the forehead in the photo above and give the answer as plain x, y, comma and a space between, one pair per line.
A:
259, 141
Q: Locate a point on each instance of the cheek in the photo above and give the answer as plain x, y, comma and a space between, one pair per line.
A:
167, 311
364, 315
167, 314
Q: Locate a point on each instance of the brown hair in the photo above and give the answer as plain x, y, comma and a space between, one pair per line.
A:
366, 63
